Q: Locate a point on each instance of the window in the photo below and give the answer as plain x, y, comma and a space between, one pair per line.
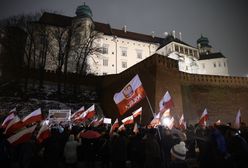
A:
203, 66
123, 51
139, 54
105, 48
124, 64
181, 49
190, 52
215, 65
195, 53
219, 64
104, 73
176, 48
105, 62
186, 51
224, 64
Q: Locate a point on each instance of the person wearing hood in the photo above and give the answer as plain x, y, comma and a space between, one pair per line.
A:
70, 151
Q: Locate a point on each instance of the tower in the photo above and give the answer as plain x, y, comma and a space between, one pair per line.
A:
203, 45
83, 22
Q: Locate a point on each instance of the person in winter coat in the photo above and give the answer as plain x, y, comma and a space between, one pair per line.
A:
70, 151
152, 150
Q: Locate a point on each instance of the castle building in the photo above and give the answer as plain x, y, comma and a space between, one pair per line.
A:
120, 49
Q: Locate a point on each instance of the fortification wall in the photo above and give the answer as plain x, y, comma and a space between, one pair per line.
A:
223, 96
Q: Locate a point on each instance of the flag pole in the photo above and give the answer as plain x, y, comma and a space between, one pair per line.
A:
150, 106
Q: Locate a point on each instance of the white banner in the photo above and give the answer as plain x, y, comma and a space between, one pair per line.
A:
107, 120
59, 115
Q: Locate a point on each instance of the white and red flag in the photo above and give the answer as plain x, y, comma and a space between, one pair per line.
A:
204, 118
114, 126
155, 121
171, 123
128, 120
135, 128
137, 112
44, 132
77, 113
130, 95
165, 103
165, 113
182, 123
237, 120
89, 113
122, 128
22, 136
7, 120
218, 122
12, 110
96, 122
14, 125
33, 117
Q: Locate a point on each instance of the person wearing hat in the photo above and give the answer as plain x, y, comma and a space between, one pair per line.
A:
178, 155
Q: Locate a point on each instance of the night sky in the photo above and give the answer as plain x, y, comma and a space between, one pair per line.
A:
224, 22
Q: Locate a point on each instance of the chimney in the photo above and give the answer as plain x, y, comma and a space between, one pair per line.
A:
180, 36
165, 34
153, 34
125, 28
174, 33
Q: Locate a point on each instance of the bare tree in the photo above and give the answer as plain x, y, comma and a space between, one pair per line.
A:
82, 50
21, 22
44, 49
60, 53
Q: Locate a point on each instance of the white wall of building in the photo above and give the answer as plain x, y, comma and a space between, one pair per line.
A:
119, 54
216, 66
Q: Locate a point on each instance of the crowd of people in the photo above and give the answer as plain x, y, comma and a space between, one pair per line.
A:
159, 147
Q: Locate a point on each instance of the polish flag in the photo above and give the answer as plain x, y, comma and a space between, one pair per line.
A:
35, 116
128, 120
155, 121
89, 113
14, 125
182, 123
22, 136
96, 122
77, 113
165, 113
122, 128
237, 120
135, 128
130, 95
7, 120
166, 102
13, 110
218, 122
44, 132
171, 123
204, 118
137, 112
114, 126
